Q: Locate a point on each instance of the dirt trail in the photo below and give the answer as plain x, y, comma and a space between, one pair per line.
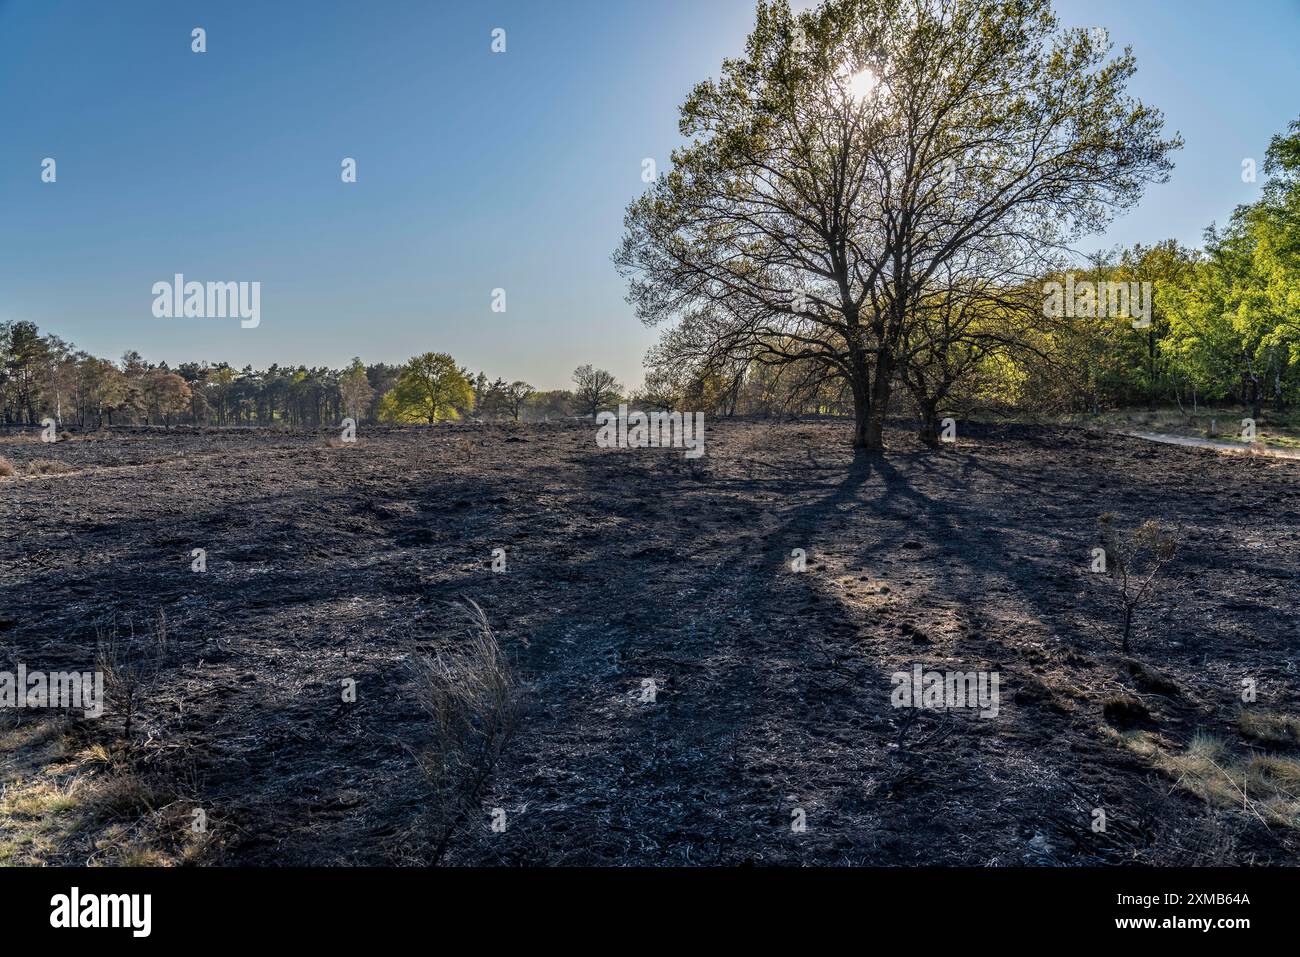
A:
1222, 446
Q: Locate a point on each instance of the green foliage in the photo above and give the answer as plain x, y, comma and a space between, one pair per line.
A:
356, 391
1235, 326
861, 162
430, 389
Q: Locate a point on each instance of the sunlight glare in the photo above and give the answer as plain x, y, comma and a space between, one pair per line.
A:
863, 84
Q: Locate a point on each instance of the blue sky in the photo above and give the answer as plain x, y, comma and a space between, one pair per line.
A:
475, 170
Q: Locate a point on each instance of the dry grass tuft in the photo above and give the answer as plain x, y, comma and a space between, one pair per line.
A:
48, 467
468, 690
1266, 787
41, 800
1270, 728
121, 795
68, 804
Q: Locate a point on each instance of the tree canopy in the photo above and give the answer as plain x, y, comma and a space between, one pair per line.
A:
430, 389
867, 156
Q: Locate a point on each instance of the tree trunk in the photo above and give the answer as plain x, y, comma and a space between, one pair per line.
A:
1151, 368
929, 423
861, 415
874, 439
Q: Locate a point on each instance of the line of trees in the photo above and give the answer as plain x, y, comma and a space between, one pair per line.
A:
1223, 328
43, 376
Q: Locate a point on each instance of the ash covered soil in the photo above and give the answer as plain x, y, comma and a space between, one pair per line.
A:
772, 690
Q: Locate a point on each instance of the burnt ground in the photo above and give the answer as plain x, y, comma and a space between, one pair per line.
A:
772, 688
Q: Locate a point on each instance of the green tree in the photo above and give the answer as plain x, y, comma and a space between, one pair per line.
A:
166, 393
104, 388
860, 149
25, 357
1235, 327
517, 395
356, 391
430, 389
556, 403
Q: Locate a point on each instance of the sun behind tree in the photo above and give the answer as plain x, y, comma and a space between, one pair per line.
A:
867, 156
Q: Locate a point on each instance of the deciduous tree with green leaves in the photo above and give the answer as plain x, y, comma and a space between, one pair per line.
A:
430, 389
855, 152
1235, 327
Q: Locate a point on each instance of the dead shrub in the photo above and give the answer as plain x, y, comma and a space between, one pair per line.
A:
468, 690
1151, 680
130, 663
464, 449
1133, 560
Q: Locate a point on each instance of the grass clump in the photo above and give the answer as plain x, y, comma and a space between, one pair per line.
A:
1269, 728
468, 690
48, 467
1264, 786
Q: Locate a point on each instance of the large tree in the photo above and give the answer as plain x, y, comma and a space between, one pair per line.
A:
166, 393
858, 151
430, 388
596, 388
516, 395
